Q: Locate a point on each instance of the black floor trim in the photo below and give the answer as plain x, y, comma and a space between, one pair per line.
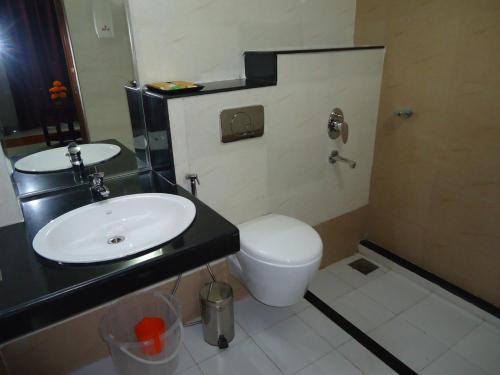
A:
383, 354
452, 288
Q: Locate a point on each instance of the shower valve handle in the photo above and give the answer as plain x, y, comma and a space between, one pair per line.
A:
337, 126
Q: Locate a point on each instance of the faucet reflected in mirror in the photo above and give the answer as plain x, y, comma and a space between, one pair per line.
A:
57, 90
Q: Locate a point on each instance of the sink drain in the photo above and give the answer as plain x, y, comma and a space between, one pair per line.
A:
116, 240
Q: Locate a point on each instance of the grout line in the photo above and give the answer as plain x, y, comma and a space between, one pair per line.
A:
348, 360
220, 351
190, 355
199, 368
439, 357
268, 357
317, 359
271, 326
375, 348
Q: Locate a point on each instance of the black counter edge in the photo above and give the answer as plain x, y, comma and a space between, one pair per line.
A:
91, 295
429, 276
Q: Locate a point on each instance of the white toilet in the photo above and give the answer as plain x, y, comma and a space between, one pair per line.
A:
278, 257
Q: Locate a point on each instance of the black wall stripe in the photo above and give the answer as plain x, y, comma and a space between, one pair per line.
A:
383, 354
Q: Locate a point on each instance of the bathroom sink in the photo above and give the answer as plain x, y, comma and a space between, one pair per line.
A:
56, 159
114, 228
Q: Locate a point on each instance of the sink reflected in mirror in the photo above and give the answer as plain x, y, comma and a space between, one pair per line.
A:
62, 81
114, 228
57, 159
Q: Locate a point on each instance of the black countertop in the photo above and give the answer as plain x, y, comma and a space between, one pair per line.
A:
35, 292
214, 88
33, 183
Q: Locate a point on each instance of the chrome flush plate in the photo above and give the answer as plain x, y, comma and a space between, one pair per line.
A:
241, 123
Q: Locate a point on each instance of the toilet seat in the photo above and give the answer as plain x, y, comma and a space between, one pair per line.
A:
280, 240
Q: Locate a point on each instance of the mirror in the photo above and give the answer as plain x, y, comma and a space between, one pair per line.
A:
63, 68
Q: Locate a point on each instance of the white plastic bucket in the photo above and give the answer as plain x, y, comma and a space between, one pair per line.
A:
117, 329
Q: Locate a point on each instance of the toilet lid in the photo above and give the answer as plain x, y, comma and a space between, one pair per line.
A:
280, 239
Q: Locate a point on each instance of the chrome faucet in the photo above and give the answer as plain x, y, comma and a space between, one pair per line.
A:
75, 155
335, 157
97, 187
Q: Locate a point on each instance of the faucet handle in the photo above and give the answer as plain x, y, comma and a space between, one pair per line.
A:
73, 148
337, 126
97, 187
96, 179
74, 154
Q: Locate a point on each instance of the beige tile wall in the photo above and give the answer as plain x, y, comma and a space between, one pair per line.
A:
435, 189
341, 235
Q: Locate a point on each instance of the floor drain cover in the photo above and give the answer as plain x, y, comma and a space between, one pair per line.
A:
363, 266
116, 240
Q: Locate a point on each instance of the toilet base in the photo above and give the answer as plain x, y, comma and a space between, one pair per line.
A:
271, 284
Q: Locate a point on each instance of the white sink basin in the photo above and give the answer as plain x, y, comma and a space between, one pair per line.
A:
114, 228
56, 159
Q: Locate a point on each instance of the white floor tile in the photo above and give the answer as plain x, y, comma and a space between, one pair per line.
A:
493, 320
105, 366
442, 320
185, 360
328, 287
416, 278
301, 306
324, 327
254, 317
409, 344
364, 359
243, 359
482, 347
332, 363
354, 278
101, 367
292, 345
192, 371
394, 292
362, 311
452, 364
199, 349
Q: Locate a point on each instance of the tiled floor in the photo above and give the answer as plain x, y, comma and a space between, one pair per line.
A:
429, 334
425, 331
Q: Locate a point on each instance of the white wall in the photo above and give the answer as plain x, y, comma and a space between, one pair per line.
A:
10, 212
203, 40
287, 170
104, 66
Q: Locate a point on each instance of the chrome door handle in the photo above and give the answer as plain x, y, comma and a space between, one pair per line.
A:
337, 126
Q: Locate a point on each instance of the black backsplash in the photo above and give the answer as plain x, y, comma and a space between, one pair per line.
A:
159, 137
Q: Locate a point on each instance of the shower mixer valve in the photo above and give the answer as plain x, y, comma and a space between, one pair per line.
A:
337, 126
335, 157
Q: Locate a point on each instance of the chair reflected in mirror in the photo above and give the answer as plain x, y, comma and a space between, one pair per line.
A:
60, 125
